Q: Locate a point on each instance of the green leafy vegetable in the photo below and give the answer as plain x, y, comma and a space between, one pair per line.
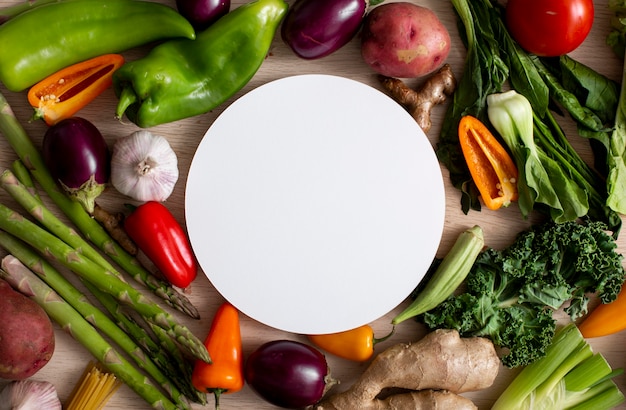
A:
616, 159
511, 294
550, 84
617, 37
552, 176
569, 376
484, 73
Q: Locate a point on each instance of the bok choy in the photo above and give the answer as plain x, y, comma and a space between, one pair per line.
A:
616, 159
551, 85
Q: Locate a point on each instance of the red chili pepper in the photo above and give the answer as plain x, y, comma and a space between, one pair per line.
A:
65, 92
225, 373
160, 237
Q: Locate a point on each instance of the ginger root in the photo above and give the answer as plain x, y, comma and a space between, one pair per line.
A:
418, 400
441, 361
420, 102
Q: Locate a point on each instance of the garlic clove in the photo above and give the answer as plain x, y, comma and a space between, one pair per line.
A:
29, 395
144, 166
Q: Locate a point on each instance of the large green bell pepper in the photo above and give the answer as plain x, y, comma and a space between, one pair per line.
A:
182, 78
47, 38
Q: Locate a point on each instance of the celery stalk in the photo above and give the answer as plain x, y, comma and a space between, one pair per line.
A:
581, 377
579, 355
605, 395
565, 341
569, 376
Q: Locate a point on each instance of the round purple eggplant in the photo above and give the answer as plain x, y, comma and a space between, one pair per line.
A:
288, 374
202, 13
317, 28
78, 157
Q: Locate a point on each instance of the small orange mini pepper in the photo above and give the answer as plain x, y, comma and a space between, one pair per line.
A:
493, 170
607, 318
355, 344
65, 92
225, 373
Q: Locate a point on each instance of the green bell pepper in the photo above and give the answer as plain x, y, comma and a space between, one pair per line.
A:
47, 38
182, 78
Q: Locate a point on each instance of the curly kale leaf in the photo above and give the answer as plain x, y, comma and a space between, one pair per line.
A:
511, 294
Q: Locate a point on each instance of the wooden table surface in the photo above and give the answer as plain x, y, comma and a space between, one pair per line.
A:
500, 227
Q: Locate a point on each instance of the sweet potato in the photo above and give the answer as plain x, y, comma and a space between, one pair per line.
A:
26, 335
404, 40
442, 360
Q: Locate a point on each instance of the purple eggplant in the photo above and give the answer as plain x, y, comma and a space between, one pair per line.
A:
288, 374
202, 13
78, 157
317, 28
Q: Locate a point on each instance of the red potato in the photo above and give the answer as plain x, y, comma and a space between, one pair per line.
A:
26, 335
404, 40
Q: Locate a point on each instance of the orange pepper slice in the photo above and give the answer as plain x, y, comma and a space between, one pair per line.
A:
65, 92
490, 165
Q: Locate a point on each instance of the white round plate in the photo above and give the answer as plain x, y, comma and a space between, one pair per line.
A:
315, 204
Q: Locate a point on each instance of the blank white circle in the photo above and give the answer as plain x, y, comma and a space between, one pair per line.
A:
315, 204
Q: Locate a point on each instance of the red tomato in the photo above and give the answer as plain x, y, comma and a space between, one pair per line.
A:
549, 27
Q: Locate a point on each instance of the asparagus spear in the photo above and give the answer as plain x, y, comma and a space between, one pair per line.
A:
36, 208
162, 358
52, 247
23, 175
53, 278
21, 143
72, 322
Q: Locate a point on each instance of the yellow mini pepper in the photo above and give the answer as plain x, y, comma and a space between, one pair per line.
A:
355, 344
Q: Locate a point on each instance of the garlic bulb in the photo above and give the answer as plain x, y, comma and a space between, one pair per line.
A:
144, 167
29, 395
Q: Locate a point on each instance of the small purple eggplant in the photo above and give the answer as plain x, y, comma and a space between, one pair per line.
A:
288, 374
202, 13
78, 157
317, 28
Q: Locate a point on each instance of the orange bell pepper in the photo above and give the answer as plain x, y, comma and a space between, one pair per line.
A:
355, 344
492, 168
225, 373
62, 94
607, 318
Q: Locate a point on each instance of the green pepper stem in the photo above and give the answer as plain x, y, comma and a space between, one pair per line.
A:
382, 339
127, 98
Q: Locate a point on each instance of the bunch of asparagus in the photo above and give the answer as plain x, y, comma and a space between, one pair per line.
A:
162, 347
